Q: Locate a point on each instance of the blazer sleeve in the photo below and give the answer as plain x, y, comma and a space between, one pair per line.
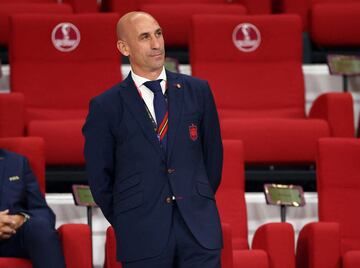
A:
212, 143
99, 156
36, 205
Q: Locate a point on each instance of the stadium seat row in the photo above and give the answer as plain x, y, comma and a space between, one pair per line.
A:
253, 65
331, 242
331, 24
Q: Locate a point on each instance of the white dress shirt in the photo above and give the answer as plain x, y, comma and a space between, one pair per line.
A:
146, 93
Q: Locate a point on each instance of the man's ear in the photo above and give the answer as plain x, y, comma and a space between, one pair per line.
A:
122, 47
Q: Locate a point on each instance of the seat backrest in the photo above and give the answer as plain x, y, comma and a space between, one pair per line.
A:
63, 63
230, 196
338, 187
26, 1
10, 8
174, 16
33, 149
83, 6
253, 63
12, 115
175, 21
303, 8
334, 1
124, 6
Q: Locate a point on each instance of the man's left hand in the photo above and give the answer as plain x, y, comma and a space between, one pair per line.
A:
18, 220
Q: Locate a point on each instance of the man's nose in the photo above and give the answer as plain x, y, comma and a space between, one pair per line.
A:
155, 43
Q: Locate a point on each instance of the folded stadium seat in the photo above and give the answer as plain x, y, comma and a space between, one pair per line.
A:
74, 59
227, 258
273, 243
75, 238
334, 241
9, 8
333, 25
254, 70
175, 16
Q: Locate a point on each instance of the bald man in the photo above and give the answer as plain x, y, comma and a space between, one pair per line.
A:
154, 157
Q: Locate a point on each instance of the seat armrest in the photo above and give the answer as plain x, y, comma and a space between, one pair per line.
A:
338, 110
318, 245
77, 245
277, 239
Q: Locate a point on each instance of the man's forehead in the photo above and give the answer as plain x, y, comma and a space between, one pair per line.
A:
144, 21
136, 23
145, 24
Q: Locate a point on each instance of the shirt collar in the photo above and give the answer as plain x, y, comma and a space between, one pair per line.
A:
139, 80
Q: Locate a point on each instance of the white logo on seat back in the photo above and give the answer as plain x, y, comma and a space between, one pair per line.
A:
65, 37
246, 37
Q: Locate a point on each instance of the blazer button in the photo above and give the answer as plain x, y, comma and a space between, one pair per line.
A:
171, 170
168, 200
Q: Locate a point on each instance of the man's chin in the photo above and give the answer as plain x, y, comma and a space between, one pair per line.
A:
158, 64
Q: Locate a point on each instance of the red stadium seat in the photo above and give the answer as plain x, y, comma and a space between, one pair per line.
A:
9, 8
334, 241
330, 22
175, 16
254, 69
335, 24
59, 75
75, 238
273, 243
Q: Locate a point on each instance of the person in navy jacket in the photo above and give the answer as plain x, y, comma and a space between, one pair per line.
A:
153, 155
26, 221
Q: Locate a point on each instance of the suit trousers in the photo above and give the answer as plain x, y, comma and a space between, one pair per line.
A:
36, 240
182, 250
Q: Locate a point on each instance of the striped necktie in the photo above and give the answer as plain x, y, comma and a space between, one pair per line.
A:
161, 111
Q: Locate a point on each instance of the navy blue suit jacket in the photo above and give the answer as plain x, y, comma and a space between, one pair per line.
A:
19, 189
130, 176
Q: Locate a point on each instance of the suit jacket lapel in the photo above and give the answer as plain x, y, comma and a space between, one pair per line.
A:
175, 98
137, 108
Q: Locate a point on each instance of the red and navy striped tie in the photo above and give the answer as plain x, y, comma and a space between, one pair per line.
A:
161, 111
